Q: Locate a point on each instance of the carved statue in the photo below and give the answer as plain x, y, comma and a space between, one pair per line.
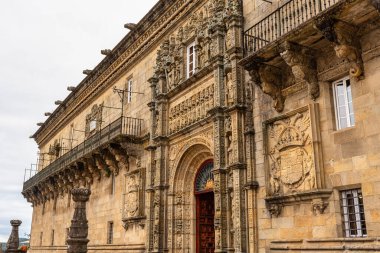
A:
230, 93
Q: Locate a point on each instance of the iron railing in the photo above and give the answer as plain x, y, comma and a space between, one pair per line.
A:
127, 126
283, 20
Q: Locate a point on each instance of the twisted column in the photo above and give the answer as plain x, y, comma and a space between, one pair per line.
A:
77, 241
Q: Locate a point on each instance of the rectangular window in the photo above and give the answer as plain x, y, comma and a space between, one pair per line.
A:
353, 213
41, 234
113, 184
110, 232
190, 60
67, 235
93, 124
344, 110
129, 91
43, 208
68, 199
52, 237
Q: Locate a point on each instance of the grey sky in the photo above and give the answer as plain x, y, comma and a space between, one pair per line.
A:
44, 46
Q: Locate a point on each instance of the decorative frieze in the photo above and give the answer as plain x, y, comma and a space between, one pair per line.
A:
191, 110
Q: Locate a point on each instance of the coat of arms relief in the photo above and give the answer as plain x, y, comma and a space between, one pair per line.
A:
294, 160
291, 160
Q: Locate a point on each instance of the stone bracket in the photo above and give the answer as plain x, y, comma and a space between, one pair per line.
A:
268, 78
346, 42
317, 198
302, 62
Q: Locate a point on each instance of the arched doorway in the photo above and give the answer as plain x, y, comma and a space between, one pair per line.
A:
203, 190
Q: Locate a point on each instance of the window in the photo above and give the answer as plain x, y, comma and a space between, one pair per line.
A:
110, 232
67, 235
41, 234
52, 237
43, 208
353, 213
129, 90
92, 125
344, 110
113, 184
68, 199
190, 60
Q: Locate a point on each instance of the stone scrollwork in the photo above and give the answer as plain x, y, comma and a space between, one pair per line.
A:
303, 65
268, 78
346, 42
94, 119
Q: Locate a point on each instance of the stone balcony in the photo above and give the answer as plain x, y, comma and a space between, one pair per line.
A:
304, 41
104, 153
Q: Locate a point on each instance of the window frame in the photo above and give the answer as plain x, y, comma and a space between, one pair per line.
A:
110, 226
129, 90
192, 57
346, 102
355, 219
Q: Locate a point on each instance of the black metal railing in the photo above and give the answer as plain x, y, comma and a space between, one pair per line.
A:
127, 126
283, 20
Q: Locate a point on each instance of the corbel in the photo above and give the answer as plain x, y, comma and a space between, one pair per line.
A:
110, 160
86, 173
318, 206
302, 62
346, 42
92, 168
120, 156
101, 165
268, 78
275, 209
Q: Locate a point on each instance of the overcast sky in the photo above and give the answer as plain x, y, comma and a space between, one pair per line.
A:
44, 46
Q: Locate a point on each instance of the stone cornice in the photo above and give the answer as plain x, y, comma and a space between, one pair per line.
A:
161, 18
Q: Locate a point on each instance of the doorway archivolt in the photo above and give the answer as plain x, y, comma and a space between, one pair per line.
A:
182, 224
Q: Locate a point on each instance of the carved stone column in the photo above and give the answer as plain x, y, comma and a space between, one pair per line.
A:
13, 241
77, 241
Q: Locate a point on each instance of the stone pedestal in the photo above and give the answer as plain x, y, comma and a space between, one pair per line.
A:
77, 241
13, 241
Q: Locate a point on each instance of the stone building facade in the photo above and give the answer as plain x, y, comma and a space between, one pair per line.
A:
222, 126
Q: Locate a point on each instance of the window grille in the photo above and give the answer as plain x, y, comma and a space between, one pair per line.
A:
130, 91
110, 232
353, 213
344, 110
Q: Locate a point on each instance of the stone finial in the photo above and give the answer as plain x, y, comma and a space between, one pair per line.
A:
77, 241
13, 241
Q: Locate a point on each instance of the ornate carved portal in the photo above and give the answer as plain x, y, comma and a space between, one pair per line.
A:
203, 189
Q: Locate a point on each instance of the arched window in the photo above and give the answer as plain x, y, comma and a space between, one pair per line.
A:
204, 180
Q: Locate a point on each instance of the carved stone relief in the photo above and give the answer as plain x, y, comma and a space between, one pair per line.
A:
290, 155
94, 119
191, 110
346, 42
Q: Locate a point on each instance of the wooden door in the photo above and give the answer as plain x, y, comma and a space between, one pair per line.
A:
205, 223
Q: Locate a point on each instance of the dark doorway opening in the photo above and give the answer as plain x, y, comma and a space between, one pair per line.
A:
205, 222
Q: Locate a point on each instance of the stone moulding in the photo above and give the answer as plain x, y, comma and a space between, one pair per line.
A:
293, 160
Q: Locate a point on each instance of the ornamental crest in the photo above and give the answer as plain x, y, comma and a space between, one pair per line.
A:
131, 205
290, 154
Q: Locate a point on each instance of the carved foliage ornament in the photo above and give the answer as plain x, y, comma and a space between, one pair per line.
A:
290, 156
